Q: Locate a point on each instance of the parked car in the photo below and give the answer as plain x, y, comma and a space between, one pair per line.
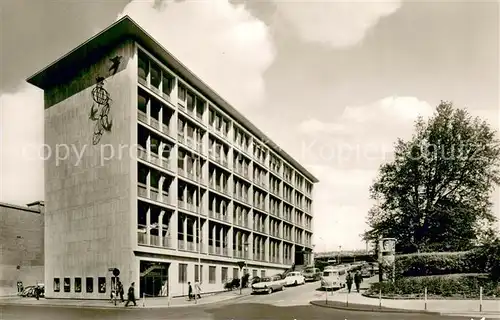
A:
311, 274
269, 285
294, 278
255, 279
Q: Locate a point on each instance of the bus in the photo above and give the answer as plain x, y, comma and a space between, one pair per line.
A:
334, 278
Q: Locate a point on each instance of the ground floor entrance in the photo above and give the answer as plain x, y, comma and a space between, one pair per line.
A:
153, 279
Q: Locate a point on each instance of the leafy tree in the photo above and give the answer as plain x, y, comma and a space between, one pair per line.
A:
434, 195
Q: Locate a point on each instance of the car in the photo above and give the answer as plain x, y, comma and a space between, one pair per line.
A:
294, 278
269, 285
333, 278
366, 272
311, 274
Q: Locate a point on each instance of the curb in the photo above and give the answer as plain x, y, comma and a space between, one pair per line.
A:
370, 308
117, 307
373, 296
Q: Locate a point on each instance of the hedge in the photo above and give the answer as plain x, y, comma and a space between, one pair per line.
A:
439, 263
466, 286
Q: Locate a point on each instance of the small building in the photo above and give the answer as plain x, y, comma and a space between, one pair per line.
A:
21, 246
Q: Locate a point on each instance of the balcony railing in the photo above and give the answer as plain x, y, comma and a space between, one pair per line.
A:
155, 123
142, 153
155, 159
260, 228
181, 138
142, 191
218, 215
154, 240
165, 129
142, 237
142, 117
187, 245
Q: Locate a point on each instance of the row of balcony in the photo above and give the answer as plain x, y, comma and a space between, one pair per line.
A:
166, 242
198, 146
163, 86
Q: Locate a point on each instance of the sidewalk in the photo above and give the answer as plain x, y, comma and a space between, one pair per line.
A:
490, 308
149, 303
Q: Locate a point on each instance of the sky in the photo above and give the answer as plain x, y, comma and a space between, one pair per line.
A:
333, 83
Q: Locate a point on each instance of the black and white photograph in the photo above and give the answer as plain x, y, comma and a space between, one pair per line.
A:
249, 159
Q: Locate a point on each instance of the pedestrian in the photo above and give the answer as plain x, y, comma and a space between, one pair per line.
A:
37, 292
190, 291
121, 291
348, 281
131, 295
357, 280
197, 290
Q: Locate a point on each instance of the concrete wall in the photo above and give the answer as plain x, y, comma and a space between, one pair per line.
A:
88, 207
21, 247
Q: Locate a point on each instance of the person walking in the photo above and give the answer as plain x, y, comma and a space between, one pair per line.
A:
197, 290
37, 292
190, 291
131, 295
357, 280
348, 281
121, 292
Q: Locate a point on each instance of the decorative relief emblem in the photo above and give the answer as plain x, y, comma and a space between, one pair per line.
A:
99, 112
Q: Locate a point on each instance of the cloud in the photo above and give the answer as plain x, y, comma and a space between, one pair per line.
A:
335, 23
396, 111
21, 132
222, 43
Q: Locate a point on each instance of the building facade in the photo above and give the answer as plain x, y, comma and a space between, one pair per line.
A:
22, 249
163, 179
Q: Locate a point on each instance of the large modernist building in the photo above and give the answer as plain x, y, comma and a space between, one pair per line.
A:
164, 180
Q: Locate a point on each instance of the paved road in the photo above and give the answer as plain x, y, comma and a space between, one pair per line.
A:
291, 296
240, 311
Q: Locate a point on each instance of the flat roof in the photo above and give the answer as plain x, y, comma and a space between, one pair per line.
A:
17, 207
68, 65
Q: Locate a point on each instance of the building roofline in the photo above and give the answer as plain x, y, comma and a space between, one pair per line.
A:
126, 28
18, 207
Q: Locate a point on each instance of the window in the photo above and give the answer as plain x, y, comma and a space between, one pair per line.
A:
211, 274
254, 273
262, 273
101, 282
182, 93
89, 284
235, 273
223, 273
198, 273
183, 273
143, 66
168, 83
57, 285
78, 284
67, 285
155, 75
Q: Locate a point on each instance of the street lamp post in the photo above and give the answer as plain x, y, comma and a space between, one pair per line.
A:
243, 264
313, 256
198, 227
